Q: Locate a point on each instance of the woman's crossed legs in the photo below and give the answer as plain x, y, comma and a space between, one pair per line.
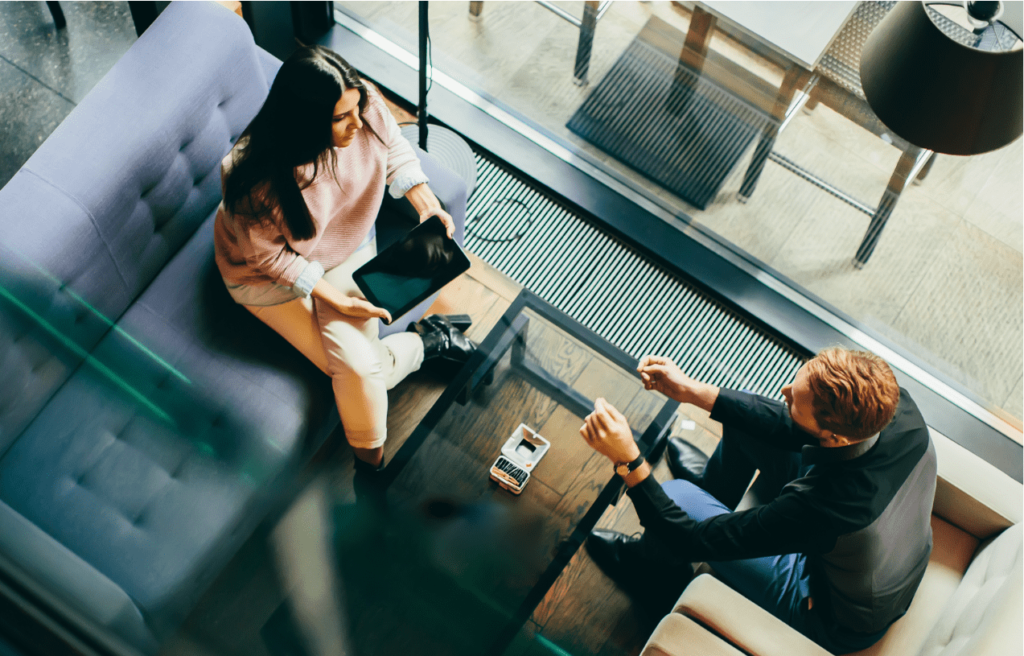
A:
362, 367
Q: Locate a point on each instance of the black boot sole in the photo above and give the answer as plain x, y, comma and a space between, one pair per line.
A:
461, 321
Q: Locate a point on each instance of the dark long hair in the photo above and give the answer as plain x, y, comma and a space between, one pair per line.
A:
292, 129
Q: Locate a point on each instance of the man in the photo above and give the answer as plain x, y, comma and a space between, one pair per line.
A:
847, 479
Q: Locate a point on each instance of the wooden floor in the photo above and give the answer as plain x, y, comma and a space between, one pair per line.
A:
584, 612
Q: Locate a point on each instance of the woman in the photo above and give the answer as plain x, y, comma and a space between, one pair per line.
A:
302, 190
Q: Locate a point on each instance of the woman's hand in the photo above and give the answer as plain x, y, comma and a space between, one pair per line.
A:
350, 306
361, 309
606, 431
445, 217
426, 205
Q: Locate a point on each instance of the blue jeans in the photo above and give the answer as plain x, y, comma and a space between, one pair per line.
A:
778, 584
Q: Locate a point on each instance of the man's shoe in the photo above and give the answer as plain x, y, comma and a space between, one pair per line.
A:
685, 461
654, 584
620, 556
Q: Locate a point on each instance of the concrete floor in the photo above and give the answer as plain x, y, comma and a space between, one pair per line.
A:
946, 279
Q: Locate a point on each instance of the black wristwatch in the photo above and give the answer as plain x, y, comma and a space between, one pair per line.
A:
624, 469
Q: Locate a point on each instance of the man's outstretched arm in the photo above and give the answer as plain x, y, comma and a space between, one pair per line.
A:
752, 413
784, 526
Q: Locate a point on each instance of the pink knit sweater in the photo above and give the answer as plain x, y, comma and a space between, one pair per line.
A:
250, 253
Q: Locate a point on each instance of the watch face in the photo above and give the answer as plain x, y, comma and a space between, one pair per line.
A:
622, 470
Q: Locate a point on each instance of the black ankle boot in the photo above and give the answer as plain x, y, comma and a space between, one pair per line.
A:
460, 322
442, 341
367, 483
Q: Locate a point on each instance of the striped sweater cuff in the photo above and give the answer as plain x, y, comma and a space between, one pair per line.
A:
406, 181
304, 284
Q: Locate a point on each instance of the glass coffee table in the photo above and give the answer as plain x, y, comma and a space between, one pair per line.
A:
448, 562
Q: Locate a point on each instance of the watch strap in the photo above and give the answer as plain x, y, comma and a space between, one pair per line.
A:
630, 466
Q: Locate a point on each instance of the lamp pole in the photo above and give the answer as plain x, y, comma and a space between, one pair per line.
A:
422, 111
450, 149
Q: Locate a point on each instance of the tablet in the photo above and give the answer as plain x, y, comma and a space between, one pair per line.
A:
410, 270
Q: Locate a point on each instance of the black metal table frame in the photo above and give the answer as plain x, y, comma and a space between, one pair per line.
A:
510, 333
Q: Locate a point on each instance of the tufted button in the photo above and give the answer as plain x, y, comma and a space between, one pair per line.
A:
198, 179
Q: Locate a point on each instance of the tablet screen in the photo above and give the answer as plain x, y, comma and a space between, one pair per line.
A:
409, 271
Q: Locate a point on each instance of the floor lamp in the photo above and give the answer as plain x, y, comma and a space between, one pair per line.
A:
948, 76
444, 144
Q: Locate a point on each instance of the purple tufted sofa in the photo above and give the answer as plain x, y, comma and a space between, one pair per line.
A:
145, 419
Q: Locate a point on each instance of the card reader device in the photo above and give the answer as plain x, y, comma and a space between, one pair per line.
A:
520, 455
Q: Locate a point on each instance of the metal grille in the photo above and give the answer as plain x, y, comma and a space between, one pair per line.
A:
841, 63
613, 289
691, 132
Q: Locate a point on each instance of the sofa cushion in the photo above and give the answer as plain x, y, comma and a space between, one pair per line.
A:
59, 289
742, 622
141, 153
81, 586
153, 463
983, 615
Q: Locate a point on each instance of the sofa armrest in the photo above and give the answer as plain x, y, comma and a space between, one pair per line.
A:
971, 493
73, 581
678, 635
743, 623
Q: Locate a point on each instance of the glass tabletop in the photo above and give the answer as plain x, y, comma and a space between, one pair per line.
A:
453, 563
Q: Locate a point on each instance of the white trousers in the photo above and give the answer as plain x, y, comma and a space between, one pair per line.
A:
362, 367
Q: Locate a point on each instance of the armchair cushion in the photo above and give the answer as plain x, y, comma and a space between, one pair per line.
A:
983, 615
678, 635
742, 622
971, 493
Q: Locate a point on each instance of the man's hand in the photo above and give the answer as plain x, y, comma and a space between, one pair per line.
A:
607, 432
663, 375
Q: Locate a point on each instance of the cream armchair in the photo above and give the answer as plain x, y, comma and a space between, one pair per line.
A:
969, 603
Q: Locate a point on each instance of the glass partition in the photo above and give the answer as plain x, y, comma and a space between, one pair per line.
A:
773, 150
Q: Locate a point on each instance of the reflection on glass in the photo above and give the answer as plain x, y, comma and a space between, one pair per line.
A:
774, 150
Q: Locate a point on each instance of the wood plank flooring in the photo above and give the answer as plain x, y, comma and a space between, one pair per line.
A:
584, 612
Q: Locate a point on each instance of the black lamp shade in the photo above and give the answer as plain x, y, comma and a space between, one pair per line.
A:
939, 94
